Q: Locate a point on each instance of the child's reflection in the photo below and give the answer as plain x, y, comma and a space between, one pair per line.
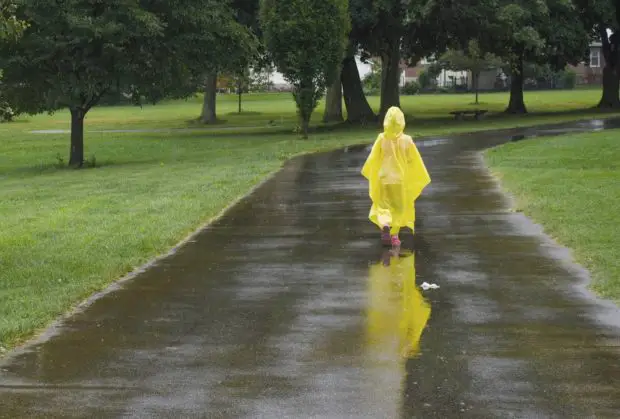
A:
397, 311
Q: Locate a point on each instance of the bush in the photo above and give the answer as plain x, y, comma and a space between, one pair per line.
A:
461, 88
410, 88
372, 92
568, 79
6, 112
372, 81
426, 80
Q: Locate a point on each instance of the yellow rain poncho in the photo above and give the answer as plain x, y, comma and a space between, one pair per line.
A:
396, 175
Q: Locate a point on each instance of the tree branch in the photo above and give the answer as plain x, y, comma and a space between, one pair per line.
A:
94, 99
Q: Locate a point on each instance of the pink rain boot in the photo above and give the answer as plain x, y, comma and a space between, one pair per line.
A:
395, 241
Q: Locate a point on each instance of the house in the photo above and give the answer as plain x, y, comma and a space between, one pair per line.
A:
447, 78
495, 79
591, 73
409, 74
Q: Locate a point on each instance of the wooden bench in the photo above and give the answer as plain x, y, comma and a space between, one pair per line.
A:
478, 113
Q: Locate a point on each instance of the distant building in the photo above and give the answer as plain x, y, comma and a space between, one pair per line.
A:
278, 83
446, 78
591, 73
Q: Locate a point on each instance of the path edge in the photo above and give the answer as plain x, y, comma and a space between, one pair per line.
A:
555, 249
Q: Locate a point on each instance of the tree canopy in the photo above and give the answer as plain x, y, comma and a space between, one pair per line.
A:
76, 51
73, 53
540, 31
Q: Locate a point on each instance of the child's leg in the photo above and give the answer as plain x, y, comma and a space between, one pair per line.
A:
384, 214
395, 201
385, 235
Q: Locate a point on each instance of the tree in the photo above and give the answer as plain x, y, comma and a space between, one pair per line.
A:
610, 98
307, 39
76, 51
603, 18
397, 31
235, 60
378, 28
471, 59
517, 38
243, 80
548, 31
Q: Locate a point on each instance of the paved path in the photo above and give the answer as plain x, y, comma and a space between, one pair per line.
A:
284, 309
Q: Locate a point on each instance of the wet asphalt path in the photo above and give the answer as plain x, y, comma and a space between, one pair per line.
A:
288, 307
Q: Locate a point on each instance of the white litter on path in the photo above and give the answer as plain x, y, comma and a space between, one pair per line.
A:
426, 286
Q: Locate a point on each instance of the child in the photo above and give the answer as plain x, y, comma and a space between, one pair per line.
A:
396, 175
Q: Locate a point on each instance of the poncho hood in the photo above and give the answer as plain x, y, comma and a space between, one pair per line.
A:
394, 123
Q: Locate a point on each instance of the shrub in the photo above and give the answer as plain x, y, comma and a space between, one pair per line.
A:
410, 88
6, 112
568, 79
426, 80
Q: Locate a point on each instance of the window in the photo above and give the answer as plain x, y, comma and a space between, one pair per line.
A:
595, 58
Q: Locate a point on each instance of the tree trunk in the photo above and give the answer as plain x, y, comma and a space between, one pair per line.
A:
390, 77
476, 80
516, 104
76, 155
239, 92
611, 89
610, 98
358, 109
333, 102
209, 115
305, 124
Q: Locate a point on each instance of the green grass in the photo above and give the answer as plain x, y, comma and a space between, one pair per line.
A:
66, 234
571, 185
427, 111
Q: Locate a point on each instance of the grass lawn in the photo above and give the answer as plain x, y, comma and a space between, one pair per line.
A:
65, 234
571, 185
427, 111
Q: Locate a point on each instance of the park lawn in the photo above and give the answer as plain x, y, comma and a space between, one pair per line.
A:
277, 110
66, 234
571, 186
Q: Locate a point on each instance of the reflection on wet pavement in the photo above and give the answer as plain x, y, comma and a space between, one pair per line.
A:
397, 314
397, 311
287, 307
